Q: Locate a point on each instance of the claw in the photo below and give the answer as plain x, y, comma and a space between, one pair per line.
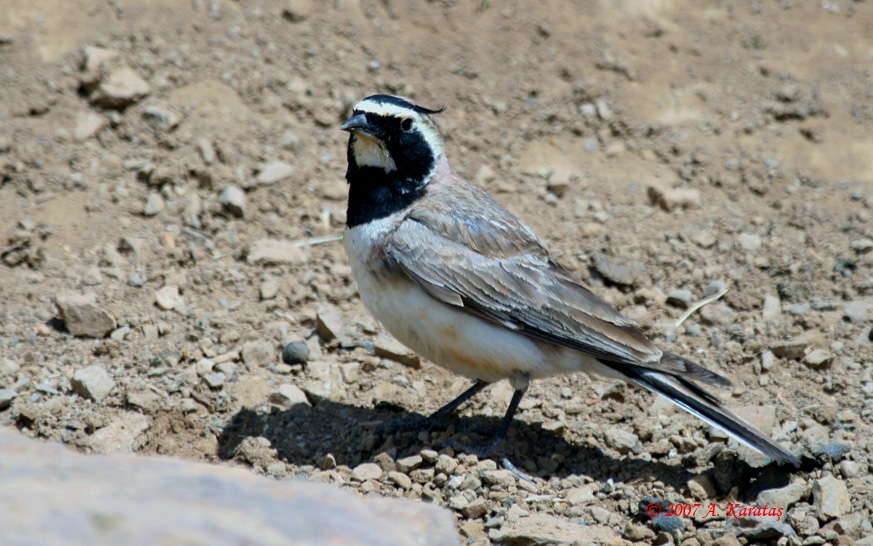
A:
492, 450
507, 464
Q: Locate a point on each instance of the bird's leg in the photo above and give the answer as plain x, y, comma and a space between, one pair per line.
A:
436, 420
510, 413
449, 408
520, 381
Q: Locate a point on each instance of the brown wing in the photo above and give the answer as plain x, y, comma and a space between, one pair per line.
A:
466, 250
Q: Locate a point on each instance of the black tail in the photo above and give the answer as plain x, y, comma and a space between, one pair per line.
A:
695, 400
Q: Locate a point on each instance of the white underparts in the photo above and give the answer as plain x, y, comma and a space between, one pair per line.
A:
444, 334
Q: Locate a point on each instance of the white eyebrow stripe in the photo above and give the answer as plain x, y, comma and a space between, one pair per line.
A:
386, 109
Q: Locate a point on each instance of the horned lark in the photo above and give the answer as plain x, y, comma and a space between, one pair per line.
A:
459, 279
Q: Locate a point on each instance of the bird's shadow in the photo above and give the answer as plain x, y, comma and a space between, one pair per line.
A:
304, 435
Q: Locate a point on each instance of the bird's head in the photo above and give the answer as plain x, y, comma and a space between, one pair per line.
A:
393, 135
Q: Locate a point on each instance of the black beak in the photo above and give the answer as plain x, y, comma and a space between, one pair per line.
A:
356, 123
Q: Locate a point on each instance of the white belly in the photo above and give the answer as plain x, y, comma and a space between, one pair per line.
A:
447, 335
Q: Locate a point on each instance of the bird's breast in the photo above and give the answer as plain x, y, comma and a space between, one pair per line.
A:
444, 334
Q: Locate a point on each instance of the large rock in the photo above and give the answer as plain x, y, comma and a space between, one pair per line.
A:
386, 346
831, 498
128, 499
93, 382
622, 441
120, 88
120, 436
784, 497
233, 200
328, 322
288, 396
82, 317
323, 382
611, 270
797, 346
169, 298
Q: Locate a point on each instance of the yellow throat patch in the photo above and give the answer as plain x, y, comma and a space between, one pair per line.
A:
372, 152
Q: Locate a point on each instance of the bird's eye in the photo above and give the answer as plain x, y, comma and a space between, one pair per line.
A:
406, 125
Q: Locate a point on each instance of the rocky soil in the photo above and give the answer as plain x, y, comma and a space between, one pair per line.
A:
172, 192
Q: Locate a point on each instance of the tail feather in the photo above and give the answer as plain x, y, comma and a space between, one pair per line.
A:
694, 371
704, 405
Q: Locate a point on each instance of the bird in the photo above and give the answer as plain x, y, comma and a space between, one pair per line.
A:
456, 277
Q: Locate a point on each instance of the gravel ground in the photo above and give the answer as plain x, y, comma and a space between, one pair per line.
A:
171, 192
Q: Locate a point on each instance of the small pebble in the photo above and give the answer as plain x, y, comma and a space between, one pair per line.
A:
93, 382
446, 465
400, 479
818, 358
168, 298
269, 289
622, 441
288, 396
290, 140
150, 332
670, 199
713, 288
408, 464
207, 151
771, 308
214, 380
120, 333
295, 352
274, 172
429, 456
680, 298
6, 397
367, 471
475, 509
749, 242
154, 204
233, 200
92, 276
591, 144
857, 311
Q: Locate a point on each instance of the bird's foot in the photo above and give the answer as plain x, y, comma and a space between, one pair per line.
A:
507, 464
493, 449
